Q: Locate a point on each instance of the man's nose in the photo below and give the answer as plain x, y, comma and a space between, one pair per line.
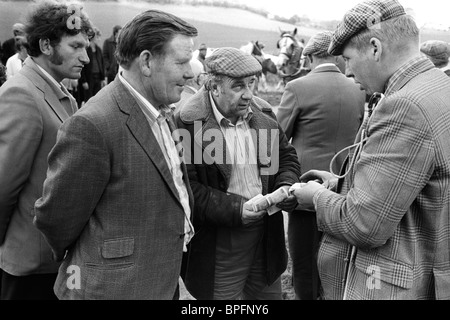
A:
84, 57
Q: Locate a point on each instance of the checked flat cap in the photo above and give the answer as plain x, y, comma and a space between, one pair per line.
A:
364, 15
318, 44
232, 62
437, 51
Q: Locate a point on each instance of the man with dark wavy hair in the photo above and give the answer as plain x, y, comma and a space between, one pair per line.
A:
33, 105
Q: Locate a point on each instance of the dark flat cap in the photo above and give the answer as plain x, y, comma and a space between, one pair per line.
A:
363, 16
437, 51
232, 62
318, 44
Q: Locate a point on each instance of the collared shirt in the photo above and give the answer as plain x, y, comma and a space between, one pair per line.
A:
326, 64
160, 128
245, 179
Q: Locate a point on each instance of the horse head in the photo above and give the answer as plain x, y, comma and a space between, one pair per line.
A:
289, 58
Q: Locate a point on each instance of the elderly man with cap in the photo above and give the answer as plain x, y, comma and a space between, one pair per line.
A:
385, 220
238, 152
438, 52
322, 113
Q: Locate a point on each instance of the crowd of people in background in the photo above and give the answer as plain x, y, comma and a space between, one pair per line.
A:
127, 166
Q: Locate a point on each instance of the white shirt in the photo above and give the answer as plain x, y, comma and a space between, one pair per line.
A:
13, 66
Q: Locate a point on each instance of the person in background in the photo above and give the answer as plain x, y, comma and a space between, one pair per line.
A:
438, 52
322, 113
239, 251
2, 74
93, 74
9, 46
109, 47
193, 85
116, 201
33, 105
16, 61
202, 50
385, 216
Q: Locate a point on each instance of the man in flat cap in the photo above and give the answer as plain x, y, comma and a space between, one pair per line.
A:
322, 113
438, 52
386, 224
238, 152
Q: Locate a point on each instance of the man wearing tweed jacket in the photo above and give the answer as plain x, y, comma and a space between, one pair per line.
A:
386, 225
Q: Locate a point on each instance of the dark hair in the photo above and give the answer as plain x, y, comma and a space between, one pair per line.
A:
150, 30
53, 20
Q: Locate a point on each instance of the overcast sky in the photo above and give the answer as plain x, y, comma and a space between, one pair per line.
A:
426, 11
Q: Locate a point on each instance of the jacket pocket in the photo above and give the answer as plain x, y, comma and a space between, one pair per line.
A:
117, 248
385, 269
442, 284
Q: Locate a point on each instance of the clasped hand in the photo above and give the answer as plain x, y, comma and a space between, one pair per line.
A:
309, 184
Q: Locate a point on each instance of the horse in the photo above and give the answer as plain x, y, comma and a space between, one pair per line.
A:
255, 49
291, 64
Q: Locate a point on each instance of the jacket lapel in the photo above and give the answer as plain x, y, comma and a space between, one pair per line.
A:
52, 95
140, 129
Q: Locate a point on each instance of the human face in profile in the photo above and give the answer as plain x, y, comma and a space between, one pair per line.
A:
170, 71
68, 57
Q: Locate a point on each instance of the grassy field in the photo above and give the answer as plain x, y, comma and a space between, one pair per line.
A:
217, 26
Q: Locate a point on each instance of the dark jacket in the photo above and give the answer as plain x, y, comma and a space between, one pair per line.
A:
213, 206
111, 65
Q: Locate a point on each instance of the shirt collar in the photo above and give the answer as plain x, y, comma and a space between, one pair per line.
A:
49, 76
164, 111
222, 120
326, 64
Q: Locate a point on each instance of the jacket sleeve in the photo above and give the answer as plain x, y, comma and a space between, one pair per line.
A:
78, 172
289, 170
288, 111
21, 127
395, 164
212, 205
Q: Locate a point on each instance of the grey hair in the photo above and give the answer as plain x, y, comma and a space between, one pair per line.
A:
214, 78
396, 31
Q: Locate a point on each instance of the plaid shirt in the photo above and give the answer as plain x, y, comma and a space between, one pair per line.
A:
387, 232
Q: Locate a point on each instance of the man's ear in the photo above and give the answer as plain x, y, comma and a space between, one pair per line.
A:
146, 63
45, 46
376, 48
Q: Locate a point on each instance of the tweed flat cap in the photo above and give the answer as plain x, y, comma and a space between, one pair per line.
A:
437, 51
364, 15
232, 62
318, 44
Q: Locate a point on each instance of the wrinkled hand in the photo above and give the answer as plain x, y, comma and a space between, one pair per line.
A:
326, 178
249, 216
304, 193
289, 203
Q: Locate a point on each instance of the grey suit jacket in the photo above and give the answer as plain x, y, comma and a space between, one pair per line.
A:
110, 202
30, 115
321, 112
